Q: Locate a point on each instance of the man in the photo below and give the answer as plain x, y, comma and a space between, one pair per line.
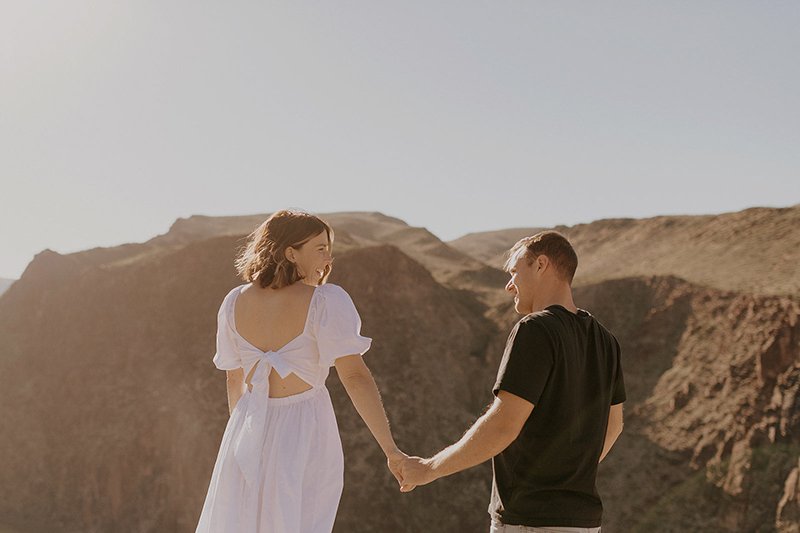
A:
558, 403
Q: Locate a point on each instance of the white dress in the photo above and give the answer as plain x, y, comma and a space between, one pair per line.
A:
280, 465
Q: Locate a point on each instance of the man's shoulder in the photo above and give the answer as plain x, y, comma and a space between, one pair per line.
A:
553, 321
536, 326
539, 319
604, 331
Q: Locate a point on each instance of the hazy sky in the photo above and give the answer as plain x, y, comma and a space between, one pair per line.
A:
116, 117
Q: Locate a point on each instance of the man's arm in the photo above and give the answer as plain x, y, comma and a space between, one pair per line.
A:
490, 435
614, 428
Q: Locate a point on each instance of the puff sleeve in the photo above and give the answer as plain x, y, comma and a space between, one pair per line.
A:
227, 356
338, 327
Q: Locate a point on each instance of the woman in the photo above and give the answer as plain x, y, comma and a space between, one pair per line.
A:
280, 464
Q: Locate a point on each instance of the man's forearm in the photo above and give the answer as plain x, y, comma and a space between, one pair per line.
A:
485, 439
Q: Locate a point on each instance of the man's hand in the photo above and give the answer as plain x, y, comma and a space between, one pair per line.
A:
415, 471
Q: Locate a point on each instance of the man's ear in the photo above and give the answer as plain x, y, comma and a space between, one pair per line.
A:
542, 262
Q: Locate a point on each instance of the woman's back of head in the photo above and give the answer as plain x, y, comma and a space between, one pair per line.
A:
263, 260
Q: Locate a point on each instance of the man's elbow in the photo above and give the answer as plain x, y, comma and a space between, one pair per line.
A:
505, 434
508, 413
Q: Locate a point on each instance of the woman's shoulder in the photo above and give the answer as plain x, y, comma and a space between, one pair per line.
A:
333, 296
337, 316
235, 291
229, 298
331, 289
333, 292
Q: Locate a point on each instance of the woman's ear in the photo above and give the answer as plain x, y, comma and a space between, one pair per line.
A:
289, 254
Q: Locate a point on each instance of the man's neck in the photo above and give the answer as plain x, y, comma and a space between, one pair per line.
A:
560, 296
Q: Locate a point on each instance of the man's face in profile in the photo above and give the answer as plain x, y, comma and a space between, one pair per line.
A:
523, 281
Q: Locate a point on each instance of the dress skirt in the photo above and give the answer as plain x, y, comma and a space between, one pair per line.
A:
300, 475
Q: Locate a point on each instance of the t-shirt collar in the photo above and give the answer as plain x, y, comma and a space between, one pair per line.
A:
582, 313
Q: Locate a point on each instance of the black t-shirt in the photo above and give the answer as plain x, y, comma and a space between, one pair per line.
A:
568, 366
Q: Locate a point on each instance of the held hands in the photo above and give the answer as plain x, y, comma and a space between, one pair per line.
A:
394, 460
415, 471
410, 471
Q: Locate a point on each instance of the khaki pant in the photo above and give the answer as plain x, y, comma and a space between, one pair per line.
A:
499, 527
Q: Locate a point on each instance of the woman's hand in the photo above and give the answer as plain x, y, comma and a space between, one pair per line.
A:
394, 460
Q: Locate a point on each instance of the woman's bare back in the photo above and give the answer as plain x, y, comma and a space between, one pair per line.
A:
269, 319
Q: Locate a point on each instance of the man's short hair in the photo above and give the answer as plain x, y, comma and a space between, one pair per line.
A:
551, 244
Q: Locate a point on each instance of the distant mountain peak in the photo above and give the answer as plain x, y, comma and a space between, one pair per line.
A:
754, 250
5, 283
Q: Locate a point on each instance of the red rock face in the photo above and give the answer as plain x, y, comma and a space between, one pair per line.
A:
114, 407
700, 418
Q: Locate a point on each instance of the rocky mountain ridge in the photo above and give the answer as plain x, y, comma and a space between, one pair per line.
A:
5, 284
755, 251
117, 407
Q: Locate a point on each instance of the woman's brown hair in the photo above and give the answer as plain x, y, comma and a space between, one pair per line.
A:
263, 258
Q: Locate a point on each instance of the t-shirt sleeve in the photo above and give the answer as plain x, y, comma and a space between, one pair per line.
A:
338, 327
527, 362
227, 356
618, 392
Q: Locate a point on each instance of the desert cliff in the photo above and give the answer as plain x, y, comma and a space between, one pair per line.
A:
116, 411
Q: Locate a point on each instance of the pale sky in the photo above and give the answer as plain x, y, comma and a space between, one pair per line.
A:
116, 118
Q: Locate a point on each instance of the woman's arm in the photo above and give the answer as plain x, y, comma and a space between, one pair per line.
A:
235, 386
363, 392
